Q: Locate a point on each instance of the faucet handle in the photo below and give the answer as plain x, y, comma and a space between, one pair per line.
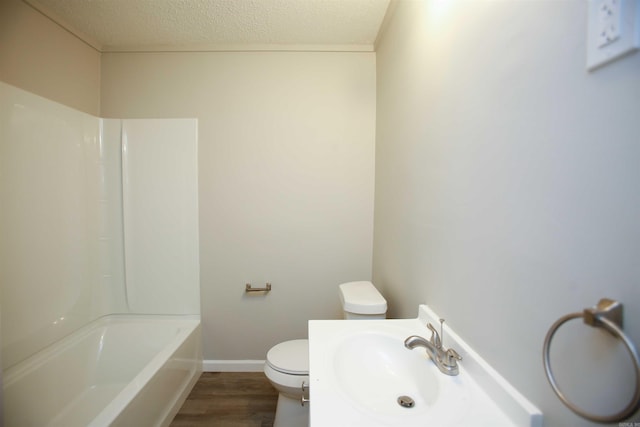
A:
452, 356
435, 338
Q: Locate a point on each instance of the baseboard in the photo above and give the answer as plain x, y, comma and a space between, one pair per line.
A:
233, 365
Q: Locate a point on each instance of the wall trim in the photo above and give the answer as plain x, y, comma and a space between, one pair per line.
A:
232, 365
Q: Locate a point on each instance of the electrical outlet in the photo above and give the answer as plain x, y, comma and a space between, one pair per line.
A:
613, 30
608, 22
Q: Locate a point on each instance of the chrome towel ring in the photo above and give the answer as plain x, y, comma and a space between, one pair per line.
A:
608, 315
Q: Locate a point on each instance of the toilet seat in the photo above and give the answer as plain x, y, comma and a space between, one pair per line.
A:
290, 357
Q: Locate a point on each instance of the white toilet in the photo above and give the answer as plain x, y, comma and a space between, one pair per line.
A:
287, 364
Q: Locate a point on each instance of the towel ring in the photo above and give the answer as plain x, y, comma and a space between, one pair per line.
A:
607, 314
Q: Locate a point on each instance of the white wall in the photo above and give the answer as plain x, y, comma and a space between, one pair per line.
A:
40, 56
507, 188
286, 172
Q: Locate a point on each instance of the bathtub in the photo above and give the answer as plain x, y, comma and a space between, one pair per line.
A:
120, 370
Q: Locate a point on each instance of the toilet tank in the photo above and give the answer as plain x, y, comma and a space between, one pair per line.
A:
361, 300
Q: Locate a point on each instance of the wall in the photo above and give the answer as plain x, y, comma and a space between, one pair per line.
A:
507, 188
286, 171
40, 56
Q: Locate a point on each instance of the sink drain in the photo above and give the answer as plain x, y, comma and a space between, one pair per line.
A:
406, 402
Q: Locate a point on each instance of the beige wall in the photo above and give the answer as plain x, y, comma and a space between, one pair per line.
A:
39, 56
507, 189
286, 172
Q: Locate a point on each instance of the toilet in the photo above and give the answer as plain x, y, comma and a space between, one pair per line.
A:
287, 363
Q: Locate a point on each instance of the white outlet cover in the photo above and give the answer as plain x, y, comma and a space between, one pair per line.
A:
609, 14
613, 30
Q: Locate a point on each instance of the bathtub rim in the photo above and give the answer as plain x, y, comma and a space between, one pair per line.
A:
14, 372
127, 395
186, 324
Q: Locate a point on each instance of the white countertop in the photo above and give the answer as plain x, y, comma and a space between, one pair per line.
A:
478, 396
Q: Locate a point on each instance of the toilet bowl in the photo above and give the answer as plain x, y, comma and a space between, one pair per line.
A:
287, 367
287, 363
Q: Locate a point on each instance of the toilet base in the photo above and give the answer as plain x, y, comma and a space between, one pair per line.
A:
290, 413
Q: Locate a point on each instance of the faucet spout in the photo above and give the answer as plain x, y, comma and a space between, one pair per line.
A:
445, 360
417, 341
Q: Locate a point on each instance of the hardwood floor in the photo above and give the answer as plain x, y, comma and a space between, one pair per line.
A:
229, 399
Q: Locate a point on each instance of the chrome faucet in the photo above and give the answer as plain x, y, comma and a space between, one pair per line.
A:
445, 360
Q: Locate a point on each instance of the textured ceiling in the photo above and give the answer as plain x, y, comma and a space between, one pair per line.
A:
112, 25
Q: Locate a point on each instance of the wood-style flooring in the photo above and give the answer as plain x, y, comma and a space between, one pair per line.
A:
229, 399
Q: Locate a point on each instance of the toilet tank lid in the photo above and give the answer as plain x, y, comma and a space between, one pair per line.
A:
362, 298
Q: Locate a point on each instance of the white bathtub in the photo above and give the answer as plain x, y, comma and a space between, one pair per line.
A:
120, 370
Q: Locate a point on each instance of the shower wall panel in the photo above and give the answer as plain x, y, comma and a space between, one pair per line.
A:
49, 221
160, 175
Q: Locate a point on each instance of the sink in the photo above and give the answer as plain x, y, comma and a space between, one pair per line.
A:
361, 375
374, 369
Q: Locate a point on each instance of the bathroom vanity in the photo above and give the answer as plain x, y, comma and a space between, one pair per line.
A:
361, 374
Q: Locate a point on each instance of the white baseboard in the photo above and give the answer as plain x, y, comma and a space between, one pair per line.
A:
233, 365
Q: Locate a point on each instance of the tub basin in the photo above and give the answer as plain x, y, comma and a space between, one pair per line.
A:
119, 370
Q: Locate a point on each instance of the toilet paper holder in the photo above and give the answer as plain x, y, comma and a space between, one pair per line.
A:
248, 288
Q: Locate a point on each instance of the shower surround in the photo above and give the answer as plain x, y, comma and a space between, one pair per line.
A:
99, 218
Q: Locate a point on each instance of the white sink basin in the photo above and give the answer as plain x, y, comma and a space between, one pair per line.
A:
359, 369
374, 369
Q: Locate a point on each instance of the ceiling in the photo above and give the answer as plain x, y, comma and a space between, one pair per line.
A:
156, 25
